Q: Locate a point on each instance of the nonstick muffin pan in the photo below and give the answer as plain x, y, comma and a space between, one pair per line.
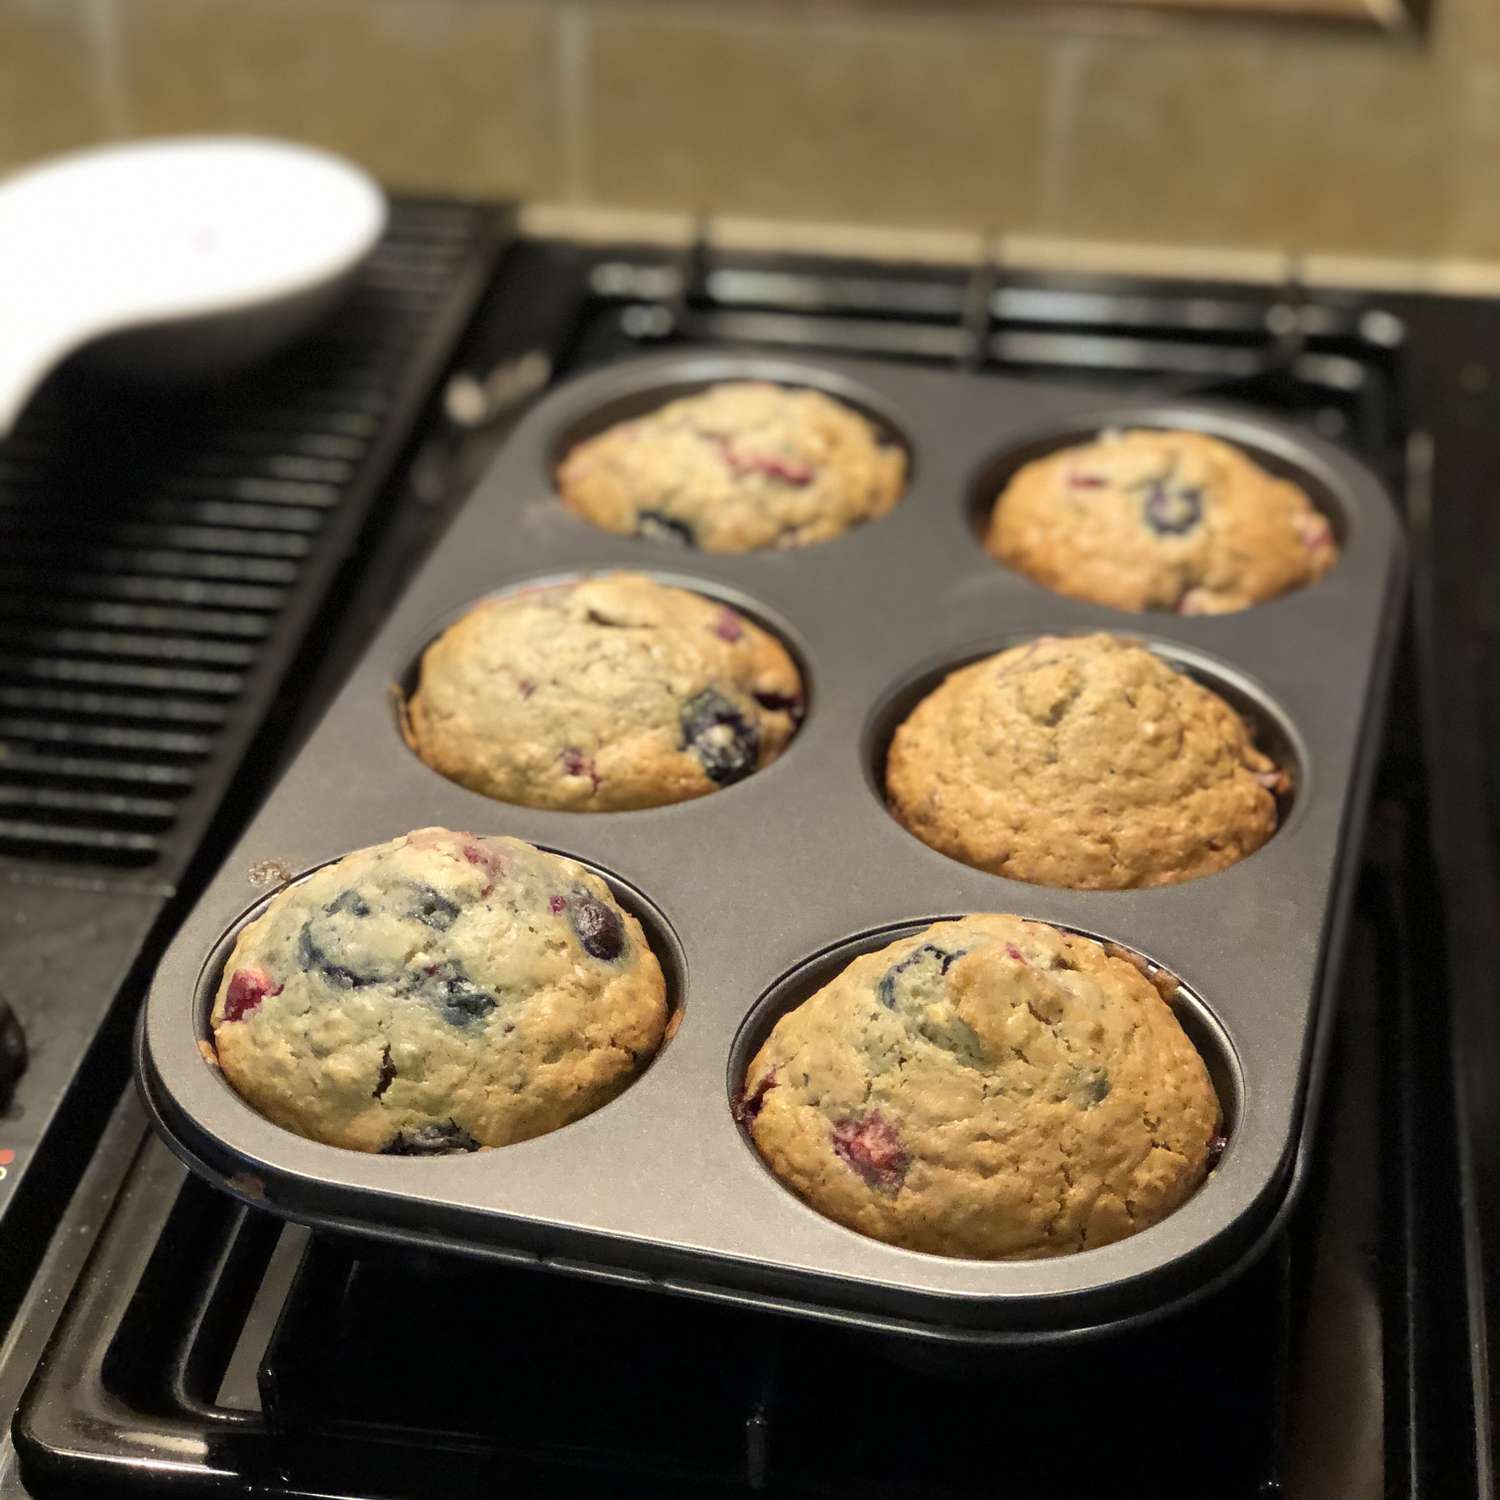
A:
758, 893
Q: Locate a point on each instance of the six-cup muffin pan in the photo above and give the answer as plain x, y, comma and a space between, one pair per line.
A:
755, 895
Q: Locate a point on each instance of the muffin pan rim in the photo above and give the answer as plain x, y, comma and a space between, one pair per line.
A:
262, 1181
1349, 612
175, 1128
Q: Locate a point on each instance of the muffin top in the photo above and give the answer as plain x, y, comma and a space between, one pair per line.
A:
438, 993
1082, 761
737, 467
989, 1087
613, 693
1160, 520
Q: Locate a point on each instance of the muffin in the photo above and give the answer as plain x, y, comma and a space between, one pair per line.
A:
1085, 762
1160, 520
612, 693
990, 1088
735, 468
438, 993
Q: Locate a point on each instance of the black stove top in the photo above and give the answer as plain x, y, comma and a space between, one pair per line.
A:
172, 1341
164, 559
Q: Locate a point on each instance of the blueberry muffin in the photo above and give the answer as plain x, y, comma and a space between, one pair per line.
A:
1085, 762
438, 993
990, 1088
612, 693
1160, 520
738, 467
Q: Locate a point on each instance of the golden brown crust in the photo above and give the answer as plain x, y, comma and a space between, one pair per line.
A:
614, 693
990, 1088
1160, 520
738, 467
1085, 762
438, 992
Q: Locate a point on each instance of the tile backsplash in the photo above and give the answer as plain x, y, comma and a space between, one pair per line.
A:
1251, 138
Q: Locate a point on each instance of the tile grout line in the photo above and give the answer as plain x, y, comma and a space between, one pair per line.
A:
1060, 111
107, 64
571, 30
1261, 265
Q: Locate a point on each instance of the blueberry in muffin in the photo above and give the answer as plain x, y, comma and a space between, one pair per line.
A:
737, 467
1147, 520
617, 692
989, 1087
438, 993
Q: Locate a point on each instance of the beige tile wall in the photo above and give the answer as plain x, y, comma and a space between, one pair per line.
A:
1217, 135
52, 96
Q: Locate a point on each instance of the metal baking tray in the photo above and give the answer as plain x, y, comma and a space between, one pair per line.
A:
754, 895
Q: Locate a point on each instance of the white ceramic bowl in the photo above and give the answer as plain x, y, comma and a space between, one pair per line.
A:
174, 258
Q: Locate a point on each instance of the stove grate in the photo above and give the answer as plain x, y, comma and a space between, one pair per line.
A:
160, 550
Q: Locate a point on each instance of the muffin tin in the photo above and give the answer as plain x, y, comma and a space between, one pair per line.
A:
757, 893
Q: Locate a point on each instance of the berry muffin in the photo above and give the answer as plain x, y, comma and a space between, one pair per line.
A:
438, 993
1085, 762
735, 468
990, 1088
612, 693
1160, 520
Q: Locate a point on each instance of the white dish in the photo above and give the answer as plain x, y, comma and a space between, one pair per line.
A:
184, 256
